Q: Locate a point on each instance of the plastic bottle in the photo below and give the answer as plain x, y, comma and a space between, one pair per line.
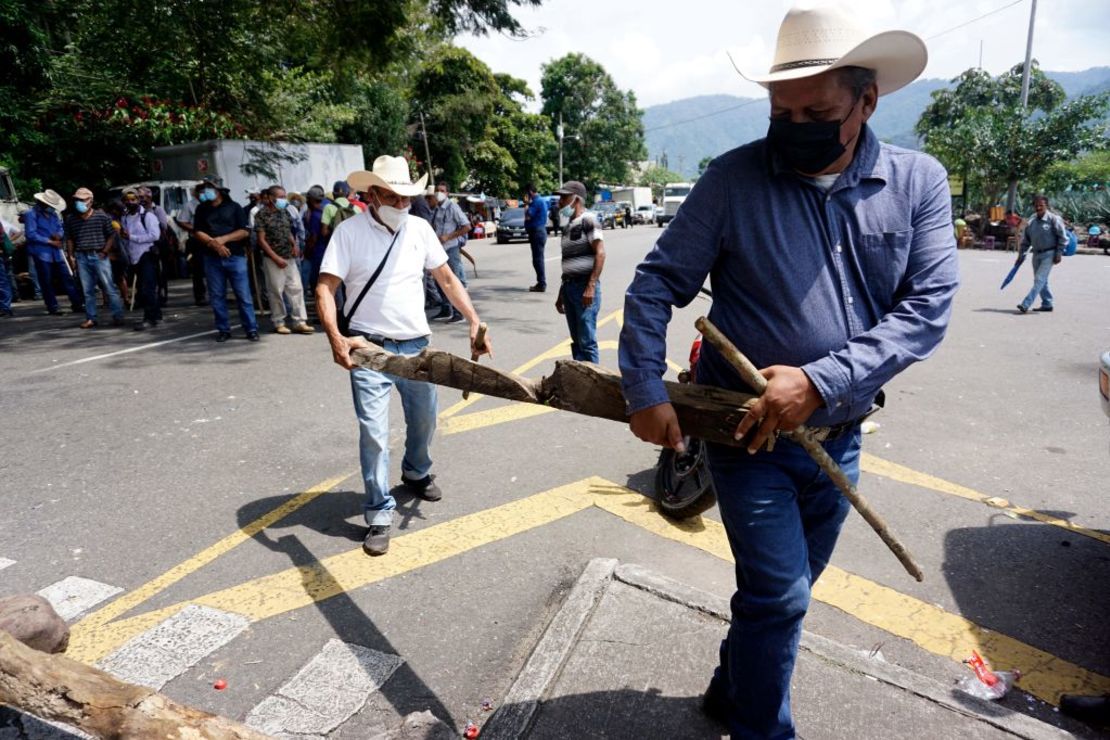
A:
987, 684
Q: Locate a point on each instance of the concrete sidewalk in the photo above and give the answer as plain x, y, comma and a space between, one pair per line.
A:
630, 652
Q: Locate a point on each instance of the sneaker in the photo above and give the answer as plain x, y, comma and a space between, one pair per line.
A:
538, 288
223, 336
54, 312
425, 488
252, 336
303, 329
1044, 309
1021, 307
143, 325
456, 318
377, 540
88, 324
281, 329
444, 313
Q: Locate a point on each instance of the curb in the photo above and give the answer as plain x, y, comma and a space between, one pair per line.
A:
517, 710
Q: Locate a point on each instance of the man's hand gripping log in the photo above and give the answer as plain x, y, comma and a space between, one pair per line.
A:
803, 437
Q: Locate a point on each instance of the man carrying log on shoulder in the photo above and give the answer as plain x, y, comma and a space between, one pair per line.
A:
845, 279
381, 256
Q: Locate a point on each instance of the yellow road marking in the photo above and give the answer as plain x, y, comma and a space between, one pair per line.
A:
929, 627
297, 587
132, 599
499, 415
902, 474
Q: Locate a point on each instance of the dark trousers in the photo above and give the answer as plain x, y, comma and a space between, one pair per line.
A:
194, 252
47, 271
147, 273
537, 239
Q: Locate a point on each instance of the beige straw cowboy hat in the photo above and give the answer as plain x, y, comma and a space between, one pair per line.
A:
816, 38
52, 199
391, 173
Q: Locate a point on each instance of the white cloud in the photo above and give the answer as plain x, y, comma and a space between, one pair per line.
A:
663, 50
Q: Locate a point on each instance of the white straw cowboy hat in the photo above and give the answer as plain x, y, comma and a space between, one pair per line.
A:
52, 199
814, 39
391, 173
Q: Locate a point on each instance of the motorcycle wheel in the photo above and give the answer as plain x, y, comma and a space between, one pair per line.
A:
683, 486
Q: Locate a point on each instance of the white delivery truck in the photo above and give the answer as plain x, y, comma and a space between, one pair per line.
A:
638, 199
674, 193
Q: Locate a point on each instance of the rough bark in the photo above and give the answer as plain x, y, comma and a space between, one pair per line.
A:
56, 688
31, 619
703, 411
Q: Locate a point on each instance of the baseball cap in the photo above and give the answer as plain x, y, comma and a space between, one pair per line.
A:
573, 187
341, 188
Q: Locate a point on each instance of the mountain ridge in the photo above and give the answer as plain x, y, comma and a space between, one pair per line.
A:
690, 129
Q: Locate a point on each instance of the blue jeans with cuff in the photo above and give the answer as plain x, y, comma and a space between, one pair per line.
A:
370, 390
537, 240
782, 515
219, 271
97, 271
1042, 266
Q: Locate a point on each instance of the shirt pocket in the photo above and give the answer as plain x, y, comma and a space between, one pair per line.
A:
883, 258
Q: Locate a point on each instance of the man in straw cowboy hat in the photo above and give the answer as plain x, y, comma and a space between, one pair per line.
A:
380, 256
44, 232
833, 267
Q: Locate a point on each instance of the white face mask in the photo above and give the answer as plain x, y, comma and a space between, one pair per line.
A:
392, 217
440, 196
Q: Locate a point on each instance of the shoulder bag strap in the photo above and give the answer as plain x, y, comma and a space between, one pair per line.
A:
372, 280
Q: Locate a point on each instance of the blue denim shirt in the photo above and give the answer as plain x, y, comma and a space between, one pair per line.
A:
39, 225
852, 286
536, 215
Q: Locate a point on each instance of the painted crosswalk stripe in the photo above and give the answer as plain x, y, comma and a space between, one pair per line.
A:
164, 652
4, 563
73, 596
326, 692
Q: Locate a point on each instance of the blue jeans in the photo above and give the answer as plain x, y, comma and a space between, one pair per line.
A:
46, 270
581, 321
455, 262
218, 271
537, 240
7, 284
1042, 265
371, 395
96, 270
782, 516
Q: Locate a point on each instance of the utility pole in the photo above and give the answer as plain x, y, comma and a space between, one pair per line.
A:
559, 133
1011, 197
427, 151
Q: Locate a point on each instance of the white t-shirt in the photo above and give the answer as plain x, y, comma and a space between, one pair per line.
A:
394, 306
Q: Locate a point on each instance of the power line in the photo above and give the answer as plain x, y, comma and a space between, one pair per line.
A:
704, 115
974, 20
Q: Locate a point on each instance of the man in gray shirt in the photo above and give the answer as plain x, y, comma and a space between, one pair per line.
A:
1048, 238
451, 226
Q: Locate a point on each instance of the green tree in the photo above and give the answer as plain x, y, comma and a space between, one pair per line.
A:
603, 127
979, 128
526, 136
703, 165
655, 177
1086, 172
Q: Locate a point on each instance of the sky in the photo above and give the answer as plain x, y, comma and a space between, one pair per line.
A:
665, 50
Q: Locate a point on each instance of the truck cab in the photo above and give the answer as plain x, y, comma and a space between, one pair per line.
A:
674, 193
10, 206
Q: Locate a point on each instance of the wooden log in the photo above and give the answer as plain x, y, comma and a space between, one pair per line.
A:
583, 388
31, 619
57, 688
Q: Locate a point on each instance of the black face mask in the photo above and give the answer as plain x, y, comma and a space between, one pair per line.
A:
808, 147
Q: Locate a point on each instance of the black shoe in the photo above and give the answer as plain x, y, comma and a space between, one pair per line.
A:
77, 309
1022, 308
444, 313
5, 312
55, 312
252, 336
425, 488
1043, 309
538, 288
456, 318
714, 704
142, 325
377, 540
223, 336
1094, 710
201, 303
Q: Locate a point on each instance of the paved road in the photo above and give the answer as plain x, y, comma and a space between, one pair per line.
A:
206, 494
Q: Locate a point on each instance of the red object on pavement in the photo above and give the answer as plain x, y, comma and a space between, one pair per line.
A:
982, 671
471, 731
220, 684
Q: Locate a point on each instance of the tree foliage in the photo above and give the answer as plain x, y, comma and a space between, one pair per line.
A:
655, 177
604, 133
979, 128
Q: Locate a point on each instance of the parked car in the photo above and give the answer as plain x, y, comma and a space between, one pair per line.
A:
644, 215
511, 226
607, 214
